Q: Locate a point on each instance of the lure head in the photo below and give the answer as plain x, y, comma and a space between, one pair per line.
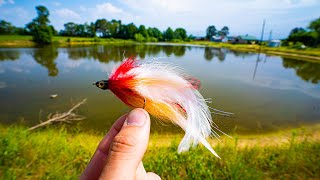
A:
102, 84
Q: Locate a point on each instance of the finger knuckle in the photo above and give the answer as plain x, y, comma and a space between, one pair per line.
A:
124, 144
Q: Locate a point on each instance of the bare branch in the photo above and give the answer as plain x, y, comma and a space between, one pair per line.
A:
62, 117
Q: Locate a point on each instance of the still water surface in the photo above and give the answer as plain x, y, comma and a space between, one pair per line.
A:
266, 93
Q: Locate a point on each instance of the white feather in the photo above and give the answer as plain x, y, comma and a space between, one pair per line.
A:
197, 124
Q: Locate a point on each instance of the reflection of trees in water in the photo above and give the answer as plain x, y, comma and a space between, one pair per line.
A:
210, 53
242, 54
46, 57
9, 55
308, 71
116, 52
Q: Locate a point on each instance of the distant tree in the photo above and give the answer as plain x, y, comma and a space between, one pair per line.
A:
6, 27
315, 26
70, 29
91, 30
131, 31
139, 37
224, 31
143, 31
297, 30
101, 26
113, 28
180, 33
39, 27
211, 31
301, 35
156, 33
168, 34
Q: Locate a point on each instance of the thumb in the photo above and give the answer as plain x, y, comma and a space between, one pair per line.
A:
128, 146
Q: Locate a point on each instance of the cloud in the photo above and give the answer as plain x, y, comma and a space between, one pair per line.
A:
108, 8
3, 2
56, 3
67, 14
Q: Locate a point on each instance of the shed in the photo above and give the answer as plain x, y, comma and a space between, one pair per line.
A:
245, 39
274, 43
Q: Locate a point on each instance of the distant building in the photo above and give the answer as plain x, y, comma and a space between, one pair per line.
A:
219, 39
245, 39
274, 43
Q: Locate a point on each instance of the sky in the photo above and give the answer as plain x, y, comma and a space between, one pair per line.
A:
241, 16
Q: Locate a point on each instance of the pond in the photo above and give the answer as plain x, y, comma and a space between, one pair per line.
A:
265, 93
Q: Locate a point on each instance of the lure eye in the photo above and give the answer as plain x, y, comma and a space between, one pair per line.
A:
101, 83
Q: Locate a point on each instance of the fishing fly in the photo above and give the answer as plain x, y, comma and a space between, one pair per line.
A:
167, 93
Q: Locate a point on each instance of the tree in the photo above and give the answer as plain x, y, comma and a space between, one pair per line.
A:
168, 34
297, 30
180, 33
211, 31
39, 27
101, 26
315, 26
70, 29
131, 30
6, 27
143, 31
224, 31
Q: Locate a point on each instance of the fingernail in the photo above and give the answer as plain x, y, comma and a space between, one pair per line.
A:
136, 117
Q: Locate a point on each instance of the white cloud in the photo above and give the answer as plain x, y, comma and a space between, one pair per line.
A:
67, 14
56, 3
108, 8
2, 2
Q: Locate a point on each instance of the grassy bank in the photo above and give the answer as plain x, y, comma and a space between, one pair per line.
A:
26, 41
308, 53
62, 154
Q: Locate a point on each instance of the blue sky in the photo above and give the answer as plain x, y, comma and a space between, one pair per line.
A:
241, 16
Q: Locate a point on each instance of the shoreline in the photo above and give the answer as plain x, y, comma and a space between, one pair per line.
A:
312, 54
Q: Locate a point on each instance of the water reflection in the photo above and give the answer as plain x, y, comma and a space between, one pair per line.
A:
46, 57
308, 71
9, 54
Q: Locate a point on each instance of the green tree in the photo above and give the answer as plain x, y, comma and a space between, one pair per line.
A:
297, 30
315, 26
6, 27
143, 31
70, 29
180, 33
101, 26
211, 31
224, 31
39, 27
130, 31
168, 34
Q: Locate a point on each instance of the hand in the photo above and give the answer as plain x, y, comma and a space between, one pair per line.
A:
119, 154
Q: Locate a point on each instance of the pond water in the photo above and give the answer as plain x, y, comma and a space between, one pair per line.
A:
266, 93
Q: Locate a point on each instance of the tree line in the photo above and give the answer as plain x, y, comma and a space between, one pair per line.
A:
42, 31
309, 36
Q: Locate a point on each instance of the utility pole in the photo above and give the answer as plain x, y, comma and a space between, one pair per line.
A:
258, 58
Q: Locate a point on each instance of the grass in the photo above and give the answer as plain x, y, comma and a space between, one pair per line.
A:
63, 154
26, 41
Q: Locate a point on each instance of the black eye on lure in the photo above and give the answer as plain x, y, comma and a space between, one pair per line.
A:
102, 84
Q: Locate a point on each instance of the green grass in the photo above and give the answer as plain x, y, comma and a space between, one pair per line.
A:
63, 154
26, 41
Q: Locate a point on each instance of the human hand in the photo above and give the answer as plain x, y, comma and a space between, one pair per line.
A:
119, 154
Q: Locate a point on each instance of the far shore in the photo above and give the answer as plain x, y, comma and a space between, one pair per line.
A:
15, 41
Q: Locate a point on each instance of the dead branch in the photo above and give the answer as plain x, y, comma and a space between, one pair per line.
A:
67, 117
